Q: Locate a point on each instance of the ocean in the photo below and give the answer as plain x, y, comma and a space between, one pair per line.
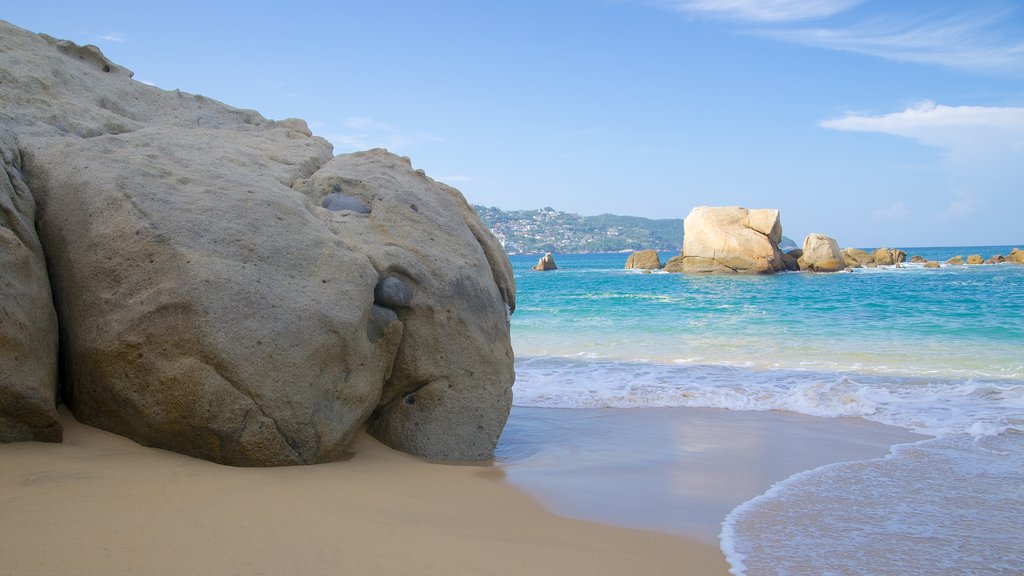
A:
939, 352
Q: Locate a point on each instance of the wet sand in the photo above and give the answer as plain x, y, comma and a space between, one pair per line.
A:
678, 470
99, 504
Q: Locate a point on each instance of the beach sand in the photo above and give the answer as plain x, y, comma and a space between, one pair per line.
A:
101, 504
677, 470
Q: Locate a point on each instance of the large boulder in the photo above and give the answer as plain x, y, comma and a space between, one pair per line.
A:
1016, 256
888, 256
731, 240
931, 264
975, 259
862, 257
643, 260
955, 261
821, 254
28, 324
227, 290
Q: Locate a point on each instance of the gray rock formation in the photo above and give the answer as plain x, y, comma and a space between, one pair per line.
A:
28, 325
821, 254
227, 290
643, 260
731, 240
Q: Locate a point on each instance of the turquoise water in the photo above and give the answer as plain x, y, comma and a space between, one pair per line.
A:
940, 352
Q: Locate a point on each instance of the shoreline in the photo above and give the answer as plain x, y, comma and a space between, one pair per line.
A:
679, 470
101, 504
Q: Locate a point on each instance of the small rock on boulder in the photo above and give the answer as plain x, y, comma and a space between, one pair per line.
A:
643, 260
821, 254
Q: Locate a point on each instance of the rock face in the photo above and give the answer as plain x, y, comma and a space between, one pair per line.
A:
821, 254
643, 260
28, 324
888, 256
858, 255
546, 262
731, 240
227, 289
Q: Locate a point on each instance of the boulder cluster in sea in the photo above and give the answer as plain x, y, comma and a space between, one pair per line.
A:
735, 240
201, 279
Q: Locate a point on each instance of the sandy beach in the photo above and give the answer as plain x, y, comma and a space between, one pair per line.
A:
100, 504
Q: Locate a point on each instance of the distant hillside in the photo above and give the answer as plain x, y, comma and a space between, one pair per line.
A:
548, 230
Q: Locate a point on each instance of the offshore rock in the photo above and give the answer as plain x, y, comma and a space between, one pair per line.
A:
546, 262
208, 306
821, 254
955, 261
1016, 256
732, 240
888, 256
643, 260
28, 324
975, 259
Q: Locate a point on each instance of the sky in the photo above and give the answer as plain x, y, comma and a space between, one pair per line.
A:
876, 122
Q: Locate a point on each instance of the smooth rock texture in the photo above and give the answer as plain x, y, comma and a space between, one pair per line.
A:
956, 261
732, 240
28, 324
888, 256
450, 387
546, 262
975, 259
643, 260
210, 304
821, 254
861, 256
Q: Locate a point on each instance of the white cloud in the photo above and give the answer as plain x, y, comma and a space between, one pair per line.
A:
983, 147
113, 37
948, 127
762, 10
971, 40
975, 36
362, 133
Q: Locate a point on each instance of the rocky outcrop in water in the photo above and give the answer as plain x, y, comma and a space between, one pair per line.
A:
545, 263
643, 260
730, 240
228, 289
821, 254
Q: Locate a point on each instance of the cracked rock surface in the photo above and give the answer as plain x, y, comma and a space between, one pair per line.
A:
730, 240
209, 303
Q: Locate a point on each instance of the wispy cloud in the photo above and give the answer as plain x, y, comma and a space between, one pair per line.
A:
361, 133
983, 147
973, 40
982, 36
762, 10
113, 37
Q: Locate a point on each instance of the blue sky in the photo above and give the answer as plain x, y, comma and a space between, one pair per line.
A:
892, 122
